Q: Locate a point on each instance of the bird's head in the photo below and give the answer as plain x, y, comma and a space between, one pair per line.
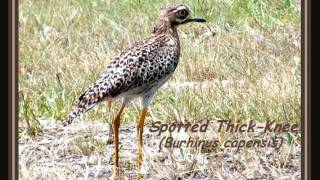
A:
177, 14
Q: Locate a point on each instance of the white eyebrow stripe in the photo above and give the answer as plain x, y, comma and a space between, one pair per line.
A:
180, 8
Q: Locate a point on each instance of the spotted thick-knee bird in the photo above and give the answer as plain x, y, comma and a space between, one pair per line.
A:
138, 72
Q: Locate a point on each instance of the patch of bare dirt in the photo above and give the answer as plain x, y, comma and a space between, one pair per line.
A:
80, 151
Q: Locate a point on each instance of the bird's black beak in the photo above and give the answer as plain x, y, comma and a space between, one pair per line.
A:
198, 19
194, 20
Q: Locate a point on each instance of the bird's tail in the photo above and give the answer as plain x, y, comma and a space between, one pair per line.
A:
85, 103
88, 100
77, 111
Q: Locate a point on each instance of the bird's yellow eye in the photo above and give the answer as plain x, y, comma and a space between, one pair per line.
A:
182, 14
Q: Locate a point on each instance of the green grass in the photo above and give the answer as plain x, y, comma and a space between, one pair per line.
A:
249, 51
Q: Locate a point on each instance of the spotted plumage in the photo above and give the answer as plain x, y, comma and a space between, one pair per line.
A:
140, 70
135, 72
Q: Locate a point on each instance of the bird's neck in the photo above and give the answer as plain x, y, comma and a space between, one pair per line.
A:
165, 27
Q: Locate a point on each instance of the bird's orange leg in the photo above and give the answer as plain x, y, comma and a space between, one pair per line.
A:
140, 126
116, 125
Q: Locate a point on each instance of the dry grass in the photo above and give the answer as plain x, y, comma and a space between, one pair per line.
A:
243, 64
253, 59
